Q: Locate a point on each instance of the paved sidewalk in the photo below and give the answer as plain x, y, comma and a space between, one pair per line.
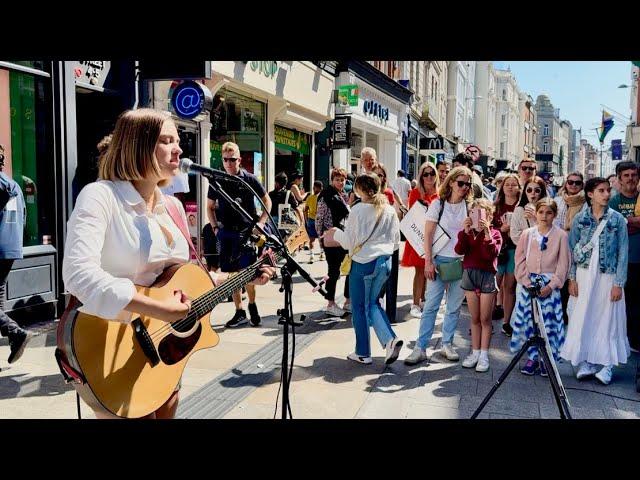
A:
239, 378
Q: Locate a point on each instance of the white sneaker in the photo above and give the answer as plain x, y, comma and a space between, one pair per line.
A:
417, 355
415, 311
347, 307
586, 370
393, 350
605, 375
334, 310
357, 358
471, 360
449, 353
311, 257
483, 364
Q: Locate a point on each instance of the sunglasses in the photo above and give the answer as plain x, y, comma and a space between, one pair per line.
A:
230, 159
462, 184
577, 183
428, 174
532, 190
528, 169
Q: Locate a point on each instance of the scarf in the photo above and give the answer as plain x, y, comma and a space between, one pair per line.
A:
574, 205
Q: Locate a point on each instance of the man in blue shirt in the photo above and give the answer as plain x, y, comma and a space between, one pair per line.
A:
12, 217
232, 230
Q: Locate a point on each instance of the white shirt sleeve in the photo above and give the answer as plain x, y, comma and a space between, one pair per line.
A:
100, 293
433, 211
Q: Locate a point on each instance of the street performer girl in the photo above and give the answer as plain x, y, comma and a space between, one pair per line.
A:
121, 234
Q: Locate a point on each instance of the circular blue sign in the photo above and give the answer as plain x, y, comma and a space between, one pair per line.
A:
188, 99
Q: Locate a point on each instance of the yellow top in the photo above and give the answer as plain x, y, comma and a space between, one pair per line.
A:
312, 205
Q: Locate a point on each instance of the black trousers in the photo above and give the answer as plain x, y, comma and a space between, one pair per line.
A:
334, 256
390, 289
7, 325
564, 296
631, 290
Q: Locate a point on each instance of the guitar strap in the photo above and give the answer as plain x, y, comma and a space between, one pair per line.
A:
173, 212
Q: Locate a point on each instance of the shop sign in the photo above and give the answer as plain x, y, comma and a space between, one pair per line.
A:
291, 140
341, 132
92, 72
190, 99
348, 95
268, 69
376, 110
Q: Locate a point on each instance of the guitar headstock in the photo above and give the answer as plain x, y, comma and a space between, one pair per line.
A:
297, 239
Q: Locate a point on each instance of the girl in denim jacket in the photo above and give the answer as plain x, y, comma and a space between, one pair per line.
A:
597, 333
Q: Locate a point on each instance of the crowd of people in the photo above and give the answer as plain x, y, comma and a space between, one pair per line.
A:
487, 241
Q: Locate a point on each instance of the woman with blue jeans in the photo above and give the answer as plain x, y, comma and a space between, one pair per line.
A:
371, 235
449, 211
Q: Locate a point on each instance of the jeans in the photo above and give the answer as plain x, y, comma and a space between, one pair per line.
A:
7, 325
434, 292
366, 281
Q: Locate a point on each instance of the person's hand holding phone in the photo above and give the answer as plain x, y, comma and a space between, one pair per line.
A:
467, 225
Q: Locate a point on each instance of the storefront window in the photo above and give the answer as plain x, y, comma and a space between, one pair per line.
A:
293, 153
240, 119
25, 133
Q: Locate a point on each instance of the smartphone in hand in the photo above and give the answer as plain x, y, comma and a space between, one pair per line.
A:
476, 215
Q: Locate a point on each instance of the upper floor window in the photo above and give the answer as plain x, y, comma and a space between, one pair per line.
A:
545, 130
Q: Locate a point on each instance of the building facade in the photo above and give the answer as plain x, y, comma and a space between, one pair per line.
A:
548, 155
461, 102
633, 129
527, 126
486, 106
508, 123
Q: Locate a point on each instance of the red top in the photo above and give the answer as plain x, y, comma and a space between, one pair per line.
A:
389, 193
409, 257
479, 252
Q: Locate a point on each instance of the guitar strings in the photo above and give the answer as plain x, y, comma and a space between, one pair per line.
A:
205, 300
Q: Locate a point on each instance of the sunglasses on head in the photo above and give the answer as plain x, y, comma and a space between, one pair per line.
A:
577, 183
534, 189
428, 174
230, 159
527, 169
462, 184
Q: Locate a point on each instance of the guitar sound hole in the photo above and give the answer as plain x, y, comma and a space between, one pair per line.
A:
185, 324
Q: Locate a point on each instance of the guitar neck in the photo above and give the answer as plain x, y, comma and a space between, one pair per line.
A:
206, 302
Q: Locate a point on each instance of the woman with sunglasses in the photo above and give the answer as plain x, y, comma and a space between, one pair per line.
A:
449, 212
524, 215
426, 192
597, 332
570, 200
507, 198
542, 256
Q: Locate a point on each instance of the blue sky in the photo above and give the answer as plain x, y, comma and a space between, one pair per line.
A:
578, 89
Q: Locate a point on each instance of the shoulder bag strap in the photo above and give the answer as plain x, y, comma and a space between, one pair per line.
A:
173, 212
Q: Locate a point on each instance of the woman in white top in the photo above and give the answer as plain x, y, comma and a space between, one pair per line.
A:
524, 215
120, 234
456, 193
371, 235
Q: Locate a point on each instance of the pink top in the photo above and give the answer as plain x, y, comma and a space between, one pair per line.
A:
555, 259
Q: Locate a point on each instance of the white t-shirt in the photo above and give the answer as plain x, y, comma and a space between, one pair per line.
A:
451, 222
402, 187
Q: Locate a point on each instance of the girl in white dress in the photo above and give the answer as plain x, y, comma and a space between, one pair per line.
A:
597, 333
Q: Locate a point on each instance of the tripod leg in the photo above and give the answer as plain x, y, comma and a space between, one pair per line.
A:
558, 391
502, 378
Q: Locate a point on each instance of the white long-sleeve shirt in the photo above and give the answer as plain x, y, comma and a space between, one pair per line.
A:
114, 243
384, 241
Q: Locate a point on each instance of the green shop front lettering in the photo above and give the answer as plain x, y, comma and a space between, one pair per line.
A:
268, 69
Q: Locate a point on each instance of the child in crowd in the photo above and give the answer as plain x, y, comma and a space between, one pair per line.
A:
543, 256
480, 246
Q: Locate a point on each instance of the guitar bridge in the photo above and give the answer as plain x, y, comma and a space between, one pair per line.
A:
144, 339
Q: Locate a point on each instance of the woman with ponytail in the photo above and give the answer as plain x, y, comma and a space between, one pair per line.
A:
371, 235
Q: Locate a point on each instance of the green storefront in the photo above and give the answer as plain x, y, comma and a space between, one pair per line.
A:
293, 153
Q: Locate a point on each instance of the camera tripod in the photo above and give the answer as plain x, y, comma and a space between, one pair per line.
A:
541, 342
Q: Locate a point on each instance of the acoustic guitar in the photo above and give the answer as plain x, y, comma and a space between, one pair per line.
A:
130, 369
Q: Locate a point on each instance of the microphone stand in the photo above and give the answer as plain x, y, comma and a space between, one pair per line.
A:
287, 270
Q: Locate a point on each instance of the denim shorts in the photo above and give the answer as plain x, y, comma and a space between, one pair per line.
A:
476, 280
311, 228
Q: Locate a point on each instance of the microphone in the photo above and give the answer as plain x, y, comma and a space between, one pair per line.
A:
187, 166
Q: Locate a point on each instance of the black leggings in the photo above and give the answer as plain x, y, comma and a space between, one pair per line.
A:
334, 255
